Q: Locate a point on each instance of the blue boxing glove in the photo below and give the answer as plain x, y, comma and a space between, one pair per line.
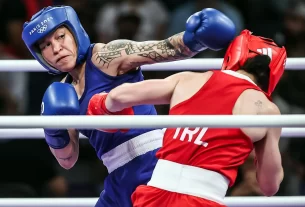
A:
59, 99
208, 28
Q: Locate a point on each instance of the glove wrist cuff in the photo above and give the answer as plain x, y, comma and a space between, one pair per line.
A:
104, 110
98, 106
191, 43
57, 138
102, 105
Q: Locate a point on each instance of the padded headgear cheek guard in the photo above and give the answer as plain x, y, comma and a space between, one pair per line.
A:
246, 46
48, 20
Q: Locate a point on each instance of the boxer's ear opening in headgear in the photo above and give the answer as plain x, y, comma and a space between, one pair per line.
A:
258, 66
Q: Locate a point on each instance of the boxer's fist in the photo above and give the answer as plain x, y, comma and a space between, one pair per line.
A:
59, 99
97, 106
208, 28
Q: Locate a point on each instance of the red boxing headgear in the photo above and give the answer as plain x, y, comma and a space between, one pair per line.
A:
246, 46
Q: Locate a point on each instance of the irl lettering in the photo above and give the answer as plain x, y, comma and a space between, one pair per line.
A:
190, 133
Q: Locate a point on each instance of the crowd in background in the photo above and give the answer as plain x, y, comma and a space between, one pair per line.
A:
28, 169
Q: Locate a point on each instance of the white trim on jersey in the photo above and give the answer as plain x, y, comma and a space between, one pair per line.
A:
189, 180
238, 75
127, 151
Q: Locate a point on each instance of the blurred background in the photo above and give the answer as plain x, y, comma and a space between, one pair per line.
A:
27, 167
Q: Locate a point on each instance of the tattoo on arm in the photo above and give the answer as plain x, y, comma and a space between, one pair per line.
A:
106, 58
259, 105
111, 51
170, 49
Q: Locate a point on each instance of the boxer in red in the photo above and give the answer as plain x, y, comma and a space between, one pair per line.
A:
196, 166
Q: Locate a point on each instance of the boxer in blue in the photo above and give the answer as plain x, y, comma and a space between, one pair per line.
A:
59, 43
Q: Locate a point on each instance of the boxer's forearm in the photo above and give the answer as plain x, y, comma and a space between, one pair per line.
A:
127, 54
68, 156
124, 96
156, 91
179, 49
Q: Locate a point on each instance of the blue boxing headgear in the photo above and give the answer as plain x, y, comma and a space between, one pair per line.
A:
48, 20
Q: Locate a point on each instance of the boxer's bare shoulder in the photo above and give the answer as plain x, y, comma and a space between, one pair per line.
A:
97, 48
255, 102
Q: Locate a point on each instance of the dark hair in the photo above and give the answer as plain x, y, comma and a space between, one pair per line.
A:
258, 66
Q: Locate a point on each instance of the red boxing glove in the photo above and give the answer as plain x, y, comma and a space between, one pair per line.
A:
97, 106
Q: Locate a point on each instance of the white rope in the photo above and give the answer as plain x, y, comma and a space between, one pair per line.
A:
38, 133
47, 202
189, 64
147, 121
282, 201
287, 201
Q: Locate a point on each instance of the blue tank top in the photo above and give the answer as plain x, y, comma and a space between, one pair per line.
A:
97, 81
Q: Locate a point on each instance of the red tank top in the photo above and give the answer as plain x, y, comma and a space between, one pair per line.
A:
220, 150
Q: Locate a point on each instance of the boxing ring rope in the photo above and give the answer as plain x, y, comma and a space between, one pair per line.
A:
89, 202
37, 133
189, 64
18, 127
148, 121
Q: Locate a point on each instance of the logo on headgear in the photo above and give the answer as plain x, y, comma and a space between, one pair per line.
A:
266, 51
42, 29
42, 108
